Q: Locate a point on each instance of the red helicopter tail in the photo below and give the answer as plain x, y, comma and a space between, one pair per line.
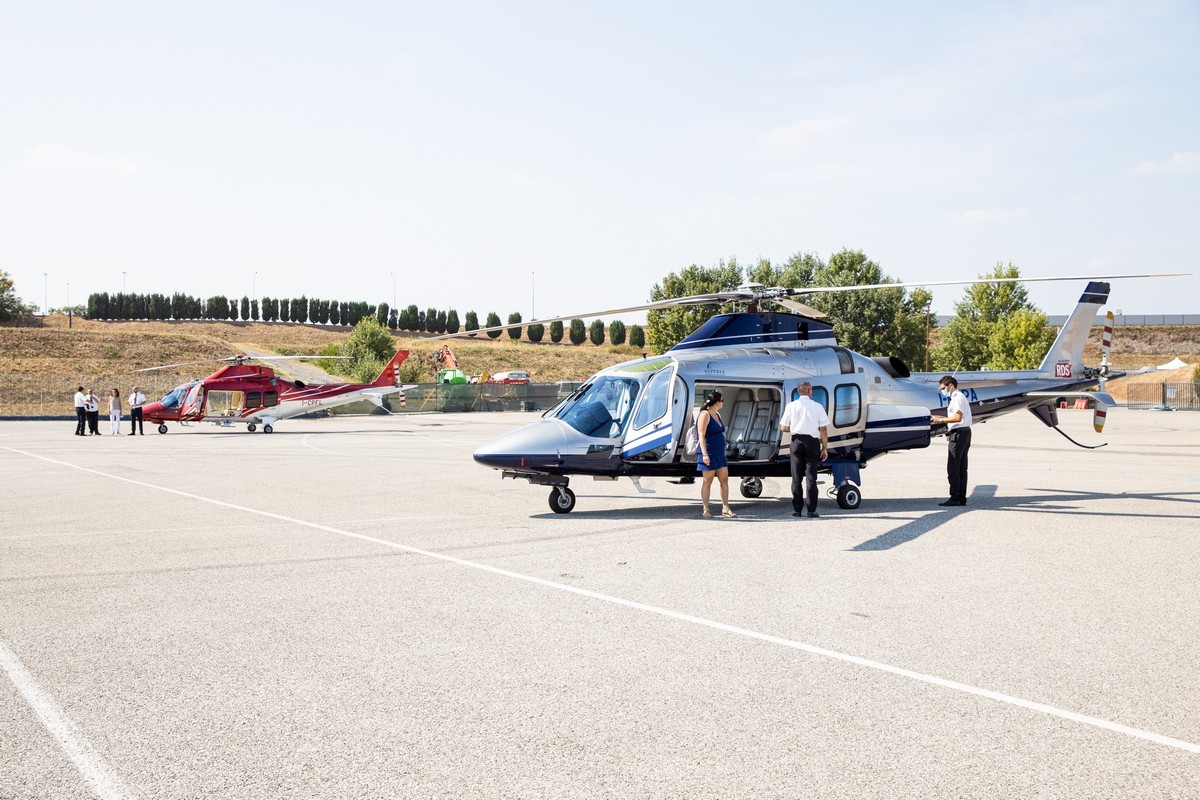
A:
391, 373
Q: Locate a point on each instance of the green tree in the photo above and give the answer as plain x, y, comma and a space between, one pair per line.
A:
637, 336
452, 324
578, 331
535, 332
472, 322
245, 308
393, 321
513, 319
874, 322
556, 331
493, 321
381, 314
666, 327
368, 349
616, 332
596, 332
996, 327
10, 304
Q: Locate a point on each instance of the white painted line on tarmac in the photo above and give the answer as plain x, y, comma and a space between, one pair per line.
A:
103, 781
933, 680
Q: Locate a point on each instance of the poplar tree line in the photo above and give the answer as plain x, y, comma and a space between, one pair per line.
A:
315, 311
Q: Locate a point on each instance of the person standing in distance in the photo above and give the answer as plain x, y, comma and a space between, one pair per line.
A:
805, 419
958, 427
80, 411
136, 401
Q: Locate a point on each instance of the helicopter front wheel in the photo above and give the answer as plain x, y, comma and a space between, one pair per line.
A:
251, 427
562, 500
267, 428
752, 487
849, 496
162, 428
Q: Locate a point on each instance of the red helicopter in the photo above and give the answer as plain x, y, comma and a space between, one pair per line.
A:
254, 395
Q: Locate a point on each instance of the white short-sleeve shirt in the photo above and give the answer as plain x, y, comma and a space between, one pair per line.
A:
804, 416
958, 402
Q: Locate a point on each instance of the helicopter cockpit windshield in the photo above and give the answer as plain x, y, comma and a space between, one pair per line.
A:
174, 398
602, 408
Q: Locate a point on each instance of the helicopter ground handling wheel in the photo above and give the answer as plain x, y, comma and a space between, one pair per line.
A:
849, 496
562, 500
752, 487
267, 428
162, 428
251, 427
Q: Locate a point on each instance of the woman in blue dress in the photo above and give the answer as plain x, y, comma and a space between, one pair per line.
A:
711, 460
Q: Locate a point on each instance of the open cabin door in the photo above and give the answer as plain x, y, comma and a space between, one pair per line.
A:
193, 405
659, 418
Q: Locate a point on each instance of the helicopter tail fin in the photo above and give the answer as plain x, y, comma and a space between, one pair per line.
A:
1068, 347
391, 373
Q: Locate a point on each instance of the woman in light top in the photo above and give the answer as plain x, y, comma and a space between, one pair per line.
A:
114, 411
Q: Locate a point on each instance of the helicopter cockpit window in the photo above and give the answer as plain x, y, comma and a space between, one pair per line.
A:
175, 397
602, 409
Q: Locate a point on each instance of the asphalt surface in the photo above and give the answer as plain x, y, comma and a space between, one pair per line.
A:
352, 608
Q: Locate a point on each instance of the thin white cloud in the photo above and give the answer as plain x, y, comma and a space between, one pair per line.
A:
521, 181
802, 132
59, 158
404, 65
1188, 161
981, 216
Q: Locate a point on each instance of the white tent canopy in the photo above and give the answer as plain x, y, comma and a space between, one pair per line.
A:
1175, 363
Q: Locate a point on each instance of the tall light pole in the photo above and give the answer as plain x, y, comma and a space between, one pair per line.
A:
532, 296
46, 294
122, 281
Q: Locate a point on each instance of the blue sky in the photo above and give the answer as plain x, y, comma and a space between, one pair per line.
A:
562, 158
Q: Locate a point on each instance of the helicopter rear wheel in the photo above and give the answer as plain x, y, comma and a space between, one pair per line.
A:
251, 427
752, 487
562, 500
849, 496
162, 428
267, 429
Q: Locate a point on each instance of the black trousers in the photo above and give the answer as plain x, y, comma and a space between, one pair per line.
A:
93, 420
805, 456
956, 462
80, 426
135, 420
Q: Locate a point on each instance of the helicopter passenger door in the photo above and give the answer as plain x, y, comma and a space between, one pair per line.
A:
659, 418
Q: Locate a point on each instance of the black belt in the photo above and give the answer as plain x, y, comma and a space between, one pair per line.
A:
802, 436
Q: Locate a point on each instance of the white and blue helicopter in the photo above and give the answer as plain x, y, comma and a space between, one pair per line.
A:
629, 420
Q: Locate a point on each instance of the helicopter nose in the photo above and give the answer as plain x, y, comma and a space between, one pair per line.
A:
524, 448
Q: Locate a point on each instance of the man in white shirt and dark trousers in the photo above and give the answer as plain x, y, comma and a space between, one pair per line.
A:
136, 401
958, 426
80, 411
805, 419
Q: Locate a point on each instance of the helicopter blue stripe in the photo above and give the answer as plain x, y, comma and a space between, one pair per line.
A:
656, 438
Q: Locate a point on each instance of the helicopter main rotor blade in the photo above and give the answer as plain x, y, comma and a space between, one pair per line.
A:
800, 308
716, 298
238, 360
972, 282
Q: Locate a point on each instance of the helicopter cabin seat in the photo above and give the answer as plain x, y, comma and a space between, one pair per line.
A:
762, 437
741, 415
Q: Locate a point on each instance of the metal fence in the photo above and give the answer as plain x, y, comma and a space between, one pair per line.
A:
1173, 396
42, 396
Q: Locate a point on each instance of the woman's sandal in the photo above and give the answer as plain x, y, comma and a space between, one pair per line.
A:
707, 514
727, 512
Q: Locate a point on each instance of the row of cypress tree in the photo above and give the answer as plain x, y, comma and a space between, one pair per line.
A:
179, 306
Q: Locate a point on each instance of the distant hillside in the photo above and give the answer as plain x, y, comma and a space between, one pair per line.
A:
118, 348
